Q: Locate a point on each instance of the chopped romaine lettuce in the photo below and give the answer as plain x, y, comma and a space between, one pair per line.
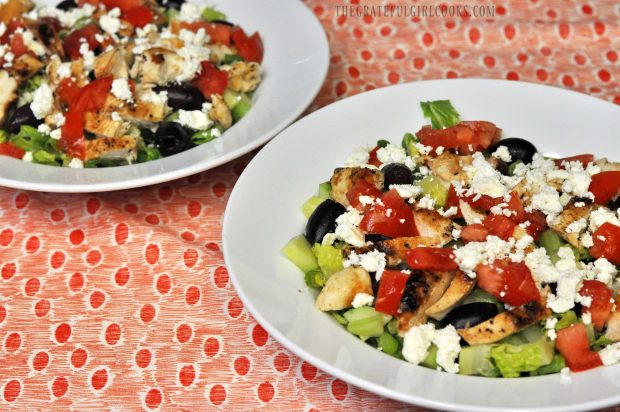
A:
147, 154
408, 143
511, 360
441, 113
567, 319
42, 146
476, 360
556, 365
211, 14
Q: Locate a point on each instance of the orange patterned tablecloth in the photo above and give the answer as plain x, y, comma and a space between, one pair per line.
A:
121, 301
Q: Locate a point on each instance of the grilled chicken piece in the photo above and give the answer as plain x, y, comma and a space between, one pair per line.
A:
220, 112
158, 65
471, 215
341, 288
111, 63
142, 112
505, 324
459, 288
607, 166
569, 215
424, 288
102, 125
124, 147
8, 89
613, 327
448, 167
244, 76
396, 249
14, 9
431, 224
25, 66
345, 178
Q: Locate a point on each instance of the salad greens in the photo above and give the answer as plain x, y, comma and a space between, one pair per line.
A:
441, 113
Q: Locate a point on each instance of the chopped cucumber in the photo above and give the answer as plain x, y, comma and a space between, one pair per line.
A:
532, 333
339, 318
329, 258
231, 98
325, 190
367, 327
242, 107
556, 365
392, 326
171, 14
299, 251
211, 14
315, 279
513, 166
431, 359
476, 360
433, 187
408, 143
362, 312
388, 343
311, 204
552, 242
172, 117
567, 319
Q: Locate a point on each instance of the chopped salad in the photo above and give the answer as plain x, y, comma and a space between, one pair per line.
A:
468, 253
98, 83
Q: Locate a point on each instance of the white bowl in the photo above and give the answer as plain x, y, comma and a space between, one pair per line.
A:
263, 214
294, 68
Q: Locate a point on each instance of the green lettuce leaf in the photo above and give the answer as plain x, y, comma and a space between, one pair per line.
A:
441, 113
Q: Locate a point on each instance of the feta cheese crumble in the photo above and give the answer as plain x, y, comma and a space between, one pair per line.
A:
373, 261
121, 90
362, 299
418, 340
42, 101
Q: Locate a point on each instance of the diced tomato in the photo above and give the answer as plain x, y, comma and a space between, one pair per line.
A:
453, 201
211, 80
373, 159
393, 218
9, 149
68, 91
515, 205
362, 188
537, 223
605, 186
466, 137
474, 233
607, 243
250, 48
92, 97
10, 29
431, 258
123, 5
500, 226
483, 202
508, 281
73, 41
219, 33
139, 16
601, 305
572, 342
72, 140
18, 47
584, 159
391, 288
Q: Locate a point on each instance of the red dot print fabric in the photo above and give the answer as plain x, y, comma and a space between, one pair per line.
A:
121, 301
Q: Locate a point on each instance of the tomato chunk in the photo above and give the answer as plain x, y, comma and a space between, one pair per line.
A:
453, 200
9, 149
373, 159
600, 308
73, 41
123, 5
605, 187
500, 226
18, 47
211, 80
250, 48
607, 243
393, 218
431, 258
362, 188
219, 33
139, 16
508, 281
465, 137
584, 159
474, 233
573, 344
536, 223
391, 288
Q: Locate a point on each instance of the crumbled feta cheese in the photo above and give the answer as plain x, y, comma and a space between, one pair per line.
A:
448, 345
610, 354
2, 29
155, 98
426, 202
33, 45
87, 54
586, 240
373, 261
547, 201
121, 90
565, 375
76, 163
450, 212
67, 17
27, 157
43, 128
407, 191
116, 117
577, 226
347, 228
194, 119
42, 101
362, 299
423, 150
110, 22
456, 233
190, 12
193, 56
502, 153
416, 342
586, 318
601, 216
484, 179
391, 154
56, 134
64, 71
469, 256
439, 150
197, 38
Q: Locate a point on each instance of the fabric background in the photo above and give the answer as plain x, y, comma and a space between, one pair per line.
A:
121, 301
